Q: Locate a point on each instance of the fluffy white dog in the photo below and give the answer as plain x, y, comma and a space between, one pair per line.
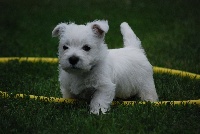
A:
89, 70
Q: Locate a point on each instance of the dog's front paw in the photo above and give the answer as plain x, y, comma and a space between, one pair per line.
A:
98, 111
97, 108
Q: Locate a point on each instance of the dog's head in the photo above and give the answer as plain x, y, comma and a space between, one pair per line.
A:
81, 47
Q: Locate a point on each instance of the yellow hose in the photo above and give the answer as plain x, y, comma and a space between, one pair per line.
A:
53, 99
176, 72
55, 60
28, 59
62, 100
34, 97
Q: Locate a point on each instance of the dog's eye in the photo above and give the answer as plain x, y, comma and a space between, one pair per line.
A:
86, 48
65, 47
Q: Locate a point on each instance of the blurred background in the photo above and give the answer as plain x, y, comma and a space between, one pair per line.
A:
168, 29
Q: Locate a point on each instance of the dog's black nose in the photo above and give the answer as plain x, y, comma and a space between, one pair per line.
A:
73, 60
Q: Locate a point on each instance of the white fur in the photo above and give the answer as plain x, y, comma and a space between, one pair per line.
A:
100, 74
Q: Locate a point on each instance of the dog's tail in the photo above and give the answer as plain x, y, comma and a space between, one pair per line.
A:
129, 37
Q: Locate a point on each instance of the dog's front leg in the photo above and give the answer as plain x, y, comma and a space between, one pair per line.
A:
66, 93
102, 99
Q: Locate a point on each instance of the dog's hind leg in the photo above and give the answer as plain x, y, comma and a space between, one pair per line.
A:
129, 37
147, 90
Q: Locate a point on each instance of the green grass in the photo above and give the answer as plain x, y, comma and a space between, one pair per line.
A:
26, 116
169, 31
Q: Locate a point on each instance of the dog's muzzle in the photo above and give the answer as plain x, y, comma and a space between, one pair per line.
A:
73, 60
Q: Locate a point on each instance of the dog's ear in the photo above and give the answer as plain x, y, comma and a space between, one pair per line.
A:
100, 28
59, 30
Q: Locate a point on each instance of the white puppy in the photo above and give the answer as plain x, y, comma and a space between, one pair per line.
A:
87, 69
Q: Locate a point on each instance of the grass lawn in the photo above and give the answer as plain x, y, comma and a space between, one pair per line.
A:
168, 29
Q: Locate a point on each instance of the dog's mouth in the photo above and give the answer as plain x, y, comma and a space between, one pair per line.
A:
73, 70
74, 67
77, 68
